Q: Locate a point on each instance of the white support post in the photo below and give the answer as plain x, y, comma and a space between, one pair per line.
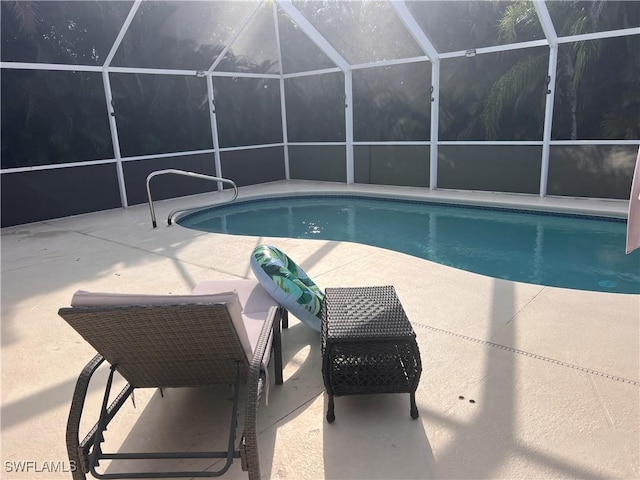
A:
114, 138
285, 134
348, 123
322, 43
213, 115
548, 118
427, 47
115, 141
283, 104
435, 110
552, 38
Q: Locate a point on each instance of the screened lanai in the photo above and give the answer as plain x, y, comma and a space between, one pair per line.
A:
487, 109
526, 97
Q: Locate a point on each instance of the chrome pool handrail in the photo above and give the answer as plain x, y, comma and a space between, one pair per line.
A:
186, 174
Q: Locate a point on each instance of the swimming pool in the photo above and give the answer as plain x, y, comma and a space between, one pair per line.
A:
579, 252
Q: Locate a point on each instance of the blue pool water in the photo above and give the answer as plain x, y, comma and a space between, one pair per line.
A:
577, 252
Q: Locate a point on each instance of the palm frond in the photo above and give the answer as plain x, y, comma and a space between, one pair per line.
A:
519, 14
621, 122
506, 91
586, 53
25, 13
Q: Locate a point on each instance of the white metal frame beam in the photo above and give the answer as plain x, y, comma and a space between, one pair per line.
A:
427, 47
283, 102
495, 49
113, 127
414, 29
311, 73
235, 35
435, 121
122, 33
213, 118
552, 38
307, 27
385, 63
625, 32
132, 70
348, 123
213, 114
310, 31
60, 67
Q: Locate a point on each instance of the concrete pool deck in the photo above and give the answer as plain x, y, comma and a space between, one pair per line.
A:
553, 373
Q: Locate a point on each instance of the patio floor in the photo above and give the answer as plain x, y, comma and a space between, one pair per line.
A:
553, 373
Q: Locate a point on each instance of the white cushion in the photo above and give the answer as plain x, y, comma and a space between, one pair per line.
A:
252, 295
256, 305
99, 299
247, 301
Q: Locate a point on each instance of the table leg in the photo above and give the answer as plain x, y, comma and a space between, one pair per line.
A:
414, 407
330, 414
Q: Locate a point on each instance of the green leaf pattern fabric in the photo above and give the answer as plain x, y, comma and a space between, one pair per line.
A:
289, 277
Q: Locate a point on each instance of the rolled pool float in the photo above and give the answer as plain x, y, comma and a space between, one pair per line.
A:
288, 284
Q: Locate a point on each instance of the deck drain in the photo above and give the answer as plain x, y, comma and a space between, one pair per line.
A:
532, 355
471, 400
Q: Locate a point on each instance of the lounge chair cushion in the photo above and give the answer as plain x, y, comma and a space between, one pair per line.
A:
228, 296
236, 294
256, 304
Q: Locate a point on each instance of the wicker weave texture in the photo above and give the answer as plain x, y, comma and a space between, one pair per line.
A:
368, 343
169, 346
365, 312
163, 346
373, 367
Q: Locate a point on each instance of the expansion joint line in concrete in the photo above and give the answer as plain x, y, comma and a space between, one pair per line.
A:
532, 355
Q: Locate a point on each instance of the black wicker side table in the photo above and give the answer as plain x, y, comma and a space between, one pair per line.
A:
368, 345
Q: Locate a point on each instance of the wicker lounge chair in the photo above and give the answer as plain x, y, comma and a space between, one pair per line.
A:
221, 334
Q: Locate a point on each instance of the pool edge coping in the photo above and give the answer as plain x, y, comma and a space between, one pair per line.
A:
439, 199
